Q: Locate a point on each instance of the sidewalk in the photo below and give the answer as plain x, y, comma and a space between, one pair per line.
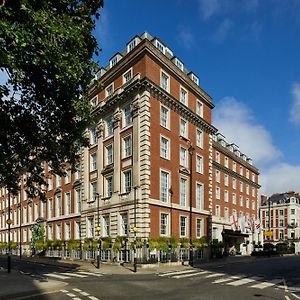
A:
15, 285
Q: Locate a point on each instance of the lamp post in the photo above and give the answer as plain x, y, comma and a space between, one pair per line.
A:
9, 222
171, 200
191, 152
20, 228
98, 229
135, 231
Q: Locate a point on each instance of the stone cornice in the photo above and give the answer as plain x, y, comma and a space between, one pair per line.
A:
234, 174
230, 154
147, 48
140, 85
177, 106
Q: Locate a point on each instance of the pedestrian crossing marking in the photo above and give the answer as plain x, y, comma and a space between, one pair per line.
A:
222, 280
84, 293
57, 276
236, 280
240, 282
90, 273
71, 295
215, 275
74, 275
191, 274
175, 273
266, 284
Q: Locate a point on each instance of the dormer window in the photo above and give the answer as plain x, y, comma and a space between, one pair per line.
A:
114, 60
194, 78
178, 63
132, 44
160, 46
109, 90
100, 73
94, 101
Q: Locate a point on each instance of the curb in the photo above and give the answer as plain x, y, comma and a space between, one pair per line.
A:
33, 292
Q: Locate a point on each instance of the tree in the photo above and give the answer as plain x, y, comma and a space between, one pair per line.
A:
46, 52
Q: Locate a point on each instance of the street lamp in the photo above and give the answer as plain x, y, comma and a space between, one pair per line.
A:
191, 152
9, 222
98, 229
20, 227
135, 230
171, 199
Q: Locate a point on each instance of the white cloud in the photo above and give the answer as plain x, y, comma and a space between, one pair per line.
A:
223, 30
208, 8
185, 37
295, 109
280, 178
237, 123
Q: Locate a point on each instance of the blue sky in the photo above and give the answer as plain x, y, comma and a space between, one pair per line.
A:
247, 55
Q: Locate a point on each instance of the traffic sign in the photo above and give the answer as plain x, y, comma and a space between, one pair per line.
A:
9, 221
268, 233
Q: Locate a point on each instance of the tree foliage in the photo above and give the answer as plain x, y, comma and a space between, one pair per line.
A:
46, 52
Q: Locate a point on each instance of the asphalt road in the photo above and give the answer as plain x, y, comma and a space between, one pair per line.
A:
272, 278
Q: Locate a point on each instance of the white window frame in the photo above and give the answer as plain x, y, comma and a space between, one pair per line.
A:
68, 176
217, 211
109, 192
106, 225
183, 127
124, 226
127, 188
218, 192
127, 148
226, 196
199, 138
226, 180
125, 80
164, 191
109, 126
162, 84
164, 152
107, 90
127, 121
183, 92
109, 159
199, 231
233, 198
93, 191
181, 227
199, 197
217, 157
164, 120
183, 156
93, 136
166, 226
199, 164
183, 193
199, 108
68, 203
93, 164
218, 176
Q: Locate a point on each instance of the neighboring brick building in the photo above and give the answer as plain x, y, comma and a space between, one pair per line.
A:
284, 212
235, 196
154, 158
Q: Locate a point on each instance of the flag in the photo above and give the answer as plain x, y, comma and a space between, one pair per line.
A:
233, 223
257, 225
251, 225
